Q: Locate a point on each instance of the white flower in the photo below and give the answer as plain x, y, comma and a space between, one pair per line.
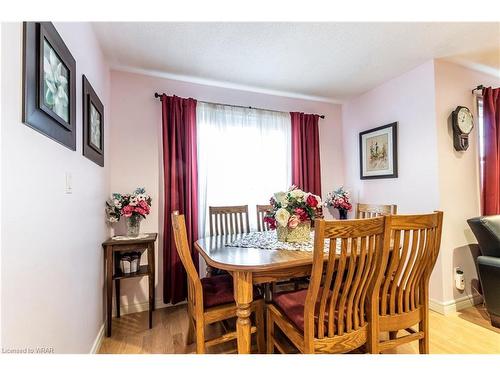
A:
55, 82
297, 193
281, 198
141, 197
133, 201
282, 217
320, 202
117, 203
113, 219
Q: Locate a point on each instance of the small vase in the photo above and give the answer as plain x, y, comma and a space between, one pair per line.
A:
299, 234
133, 225
342, 213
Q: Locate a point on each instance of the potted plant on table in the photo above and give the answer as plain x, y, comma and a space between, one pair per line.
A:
134, 207
291, 214
341, 200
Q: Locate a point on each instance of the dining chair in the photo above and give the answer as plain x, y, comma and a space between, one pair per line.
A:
228, 220
211, 299
331, 315
364, 211
402, 300
262, 209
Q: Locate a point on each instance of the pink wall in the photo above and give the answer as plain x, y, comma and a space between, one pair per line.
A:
431, 174
135, 150
409, 100
459, 192
52, 281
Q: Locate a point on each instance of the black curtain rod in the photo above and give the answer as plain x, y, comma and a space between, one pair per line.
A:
480, 87
231, 105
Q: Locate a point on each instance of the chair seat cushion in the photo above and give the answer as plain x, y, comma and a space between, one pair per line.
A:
218, 290
292, 305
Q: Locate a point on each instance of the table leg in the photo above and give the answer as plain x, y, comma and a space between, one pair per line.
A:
243, 295
151, 265
109, 288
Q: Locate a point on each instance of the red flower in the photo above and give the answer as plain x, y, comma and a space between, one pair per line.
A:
270, 221
312, 201
140, 211
302, 214
127, 211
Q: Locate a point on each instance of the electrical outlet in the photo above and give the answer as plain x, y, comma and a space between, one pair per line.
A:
459, 279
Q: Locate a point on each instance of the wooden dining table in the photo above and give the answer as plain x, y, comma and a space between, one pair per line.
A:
250, 266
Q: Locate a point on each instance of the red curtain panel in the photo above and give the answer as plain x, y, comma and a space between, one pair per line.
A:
306, 171
180, 173
491, 172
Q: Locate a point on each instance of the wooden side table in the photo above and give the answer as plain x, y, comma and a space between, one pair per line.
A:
112, 249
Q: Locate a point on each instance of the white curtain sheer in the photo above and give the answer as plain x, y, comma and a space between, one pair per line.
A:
244, 156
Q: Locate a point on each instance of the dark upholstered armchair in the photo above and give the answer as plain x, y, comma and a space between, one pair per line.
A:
487, 231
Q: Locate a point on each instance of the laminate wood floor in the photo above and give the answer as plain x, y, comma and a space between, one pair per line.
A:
465, 332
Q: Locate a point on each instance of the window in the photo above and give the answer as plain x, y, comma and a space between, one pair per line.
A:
244, 156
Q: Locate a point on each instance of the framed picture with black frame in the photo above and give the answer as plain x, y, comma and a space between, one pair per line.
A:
49, 83
378, 152
93, 124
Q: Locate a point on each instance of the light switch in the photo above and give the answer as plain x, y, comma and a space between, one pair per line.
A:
69, 184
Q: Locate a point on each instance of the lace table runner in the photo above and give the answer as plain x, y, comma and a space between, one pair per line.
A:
269, 240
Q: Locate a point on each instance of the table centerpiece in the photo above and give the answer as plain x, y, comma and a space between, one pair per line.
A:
341, 200
134, 207
291, 214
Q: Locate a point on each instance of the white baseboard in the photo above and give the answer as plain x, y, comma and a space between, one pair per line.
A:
454, 305
138, 307
97, 342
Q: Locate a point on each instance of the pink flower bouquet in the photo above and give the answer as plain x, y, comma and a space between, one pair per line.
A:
291, 208
136, 205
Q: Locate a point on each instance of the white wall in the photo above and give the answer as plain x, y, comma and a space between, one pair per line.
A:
52, 271
136, 146
459, 177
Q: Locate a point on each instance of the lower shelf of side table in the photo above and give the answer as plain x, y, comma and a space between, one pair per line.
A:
143, 271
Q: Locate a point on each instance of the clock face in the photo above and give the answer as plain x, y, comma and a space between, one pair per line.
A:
464, 120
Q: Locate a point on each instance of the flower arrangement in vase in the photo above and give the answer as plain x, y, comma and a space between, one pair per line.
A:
134, 207
292, 213
341, 200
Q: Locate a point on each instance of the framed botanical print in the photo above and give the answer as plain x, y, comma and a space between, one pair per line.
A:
49, 83
378, 154
93, 124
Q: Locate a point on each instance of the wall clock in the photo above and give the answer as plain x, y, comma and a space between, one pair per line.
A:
463, 123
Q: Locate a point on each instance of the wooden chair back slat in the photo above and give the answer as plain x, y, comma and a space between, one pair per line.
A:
228, 220
414, 251
262, 209
368, 275
401, 298
367, 211
183, 249
336, 298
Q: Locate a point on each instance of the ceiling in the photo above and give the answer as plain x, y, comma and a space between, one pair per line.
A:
324, 60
